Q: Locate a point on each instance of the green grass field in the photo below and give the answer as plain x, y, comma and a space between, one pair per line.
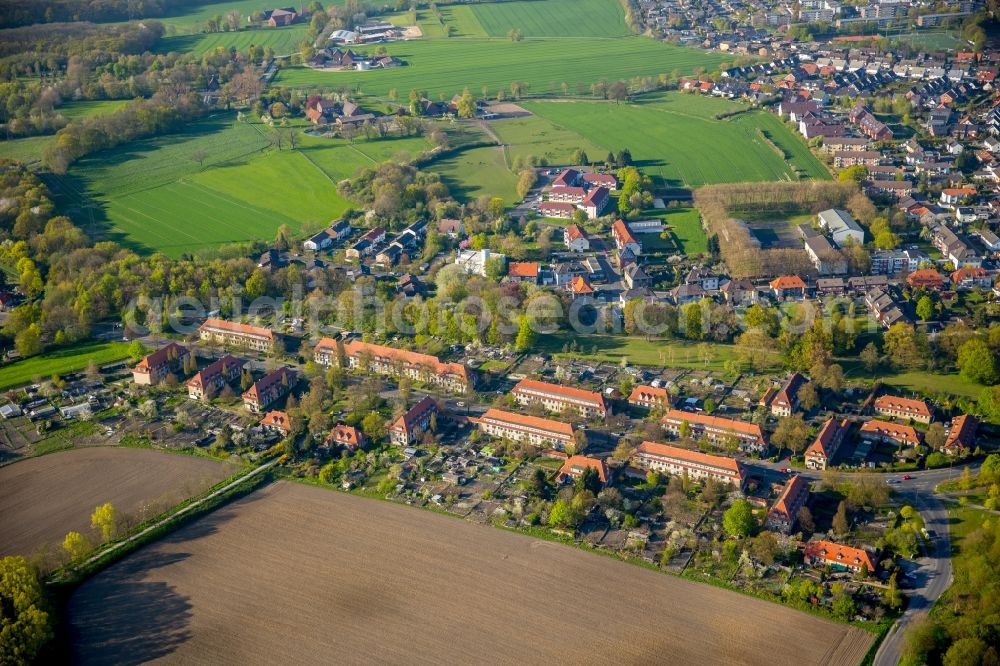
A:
31, 148
70, 359
685, 225
446, 66
152, 196
476, 172
534, 135
88, 108
283, 41
674, 138
553, 18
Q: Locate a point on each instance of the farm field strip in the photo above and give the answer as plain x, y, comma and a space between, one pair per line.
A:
420, 600
554, 18
46, 497
448, 65
283, 41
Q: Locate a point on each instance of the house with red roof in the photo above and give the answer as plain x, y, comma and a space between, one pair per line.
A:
269, 389
925, 278
277, 422
523, 271
384, 360
210, 380
961, 435
955, 195
715, 429
972, 277
607, 180
576, 238
535, 430
889, 433
573, 195
786, 400
234, 334
579, 286
820, 453
784, 513
595, 202
567, 178
675, 461
837, 556
902, 408
624, 238
649, 397
346, 436
155, 367
575, 466
557, 209
408, 428
557, 398
788, 287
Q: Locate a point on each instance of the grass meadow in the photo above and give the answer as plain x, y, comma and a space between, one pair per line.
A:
534, 135
283, 41
446, 66
553, 18
30, 149
61, 361
152, 196
674, 138
477, 172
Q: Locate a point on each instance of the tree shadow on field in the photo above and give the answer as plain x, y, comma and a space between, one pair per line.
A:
116, 618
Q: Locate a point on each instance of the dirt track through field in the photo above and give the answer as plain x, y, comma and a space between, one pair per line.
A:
44, 498
294, 574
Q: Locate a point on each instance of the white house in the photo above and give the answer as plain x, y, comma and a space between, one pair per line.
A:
841, 226
474, 261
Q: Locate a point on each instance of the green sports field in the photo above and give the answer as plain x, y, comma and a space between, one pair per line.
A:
153, 197
674, 138
446, 66
69, 359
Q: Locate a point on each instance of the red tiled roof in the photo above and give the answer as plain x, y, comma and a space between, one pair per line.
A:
575, 231
413, 414
677, 453
969, 273
959, 191
596, 196
787, 282
344, 434
924, 276
267, 381
564, 191
677, 416
824, 440
206, 374
236, 327
514, 419
789, 501
906, 405
903, 433
962, 432
575, 465
644, 393
580, 285
560, 391
277, 420
622, 233
838, 554
523, 269
160, 357
355, 348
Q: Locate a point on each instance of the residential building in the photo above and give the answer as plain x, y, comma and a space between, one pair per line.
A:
649, 397
636, 278
346, 436
269, 389
788, 287
825, 257
606, 180
522, 428
155, 367
820, 454
557, 209
902, 408
523, 271
318, 241
595, 202
474, 262
580, 286
575, 466
889, 433
837, 556
925, 278
716, 429
961, 435
576, 239
624, 238
556, 398
384, 360
841, 227
972, 277
568, 178
209, 381
277, 422
955, 195
675, 461
784, 513
572, 195
786, 399
409, 427
233, 334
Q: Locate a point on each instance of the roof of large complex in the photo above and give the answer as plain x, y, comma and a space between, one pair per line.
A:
235, 327
558, 391
906, 405
356, 348
676, 415
722, 463
536, 422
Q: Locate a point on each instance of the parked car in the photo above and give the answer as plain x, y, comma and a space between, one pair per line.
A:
907, 477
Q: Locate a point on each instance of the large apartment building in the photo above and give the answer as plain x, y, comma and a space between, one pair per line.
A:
716, 429
383, 360
269, 389
155, 367
207, 382
676, 461
556, 398
522, 428
889, 433
234, 334
406, 429
820, 453
903, 408
784, 513
961, 434
837, 556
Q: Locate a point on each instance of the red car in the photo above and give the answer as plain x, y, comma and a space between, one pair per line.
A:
785, 470
907, 477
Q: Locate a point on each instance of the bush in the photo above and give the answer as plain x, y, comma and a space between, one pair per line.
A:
936, 460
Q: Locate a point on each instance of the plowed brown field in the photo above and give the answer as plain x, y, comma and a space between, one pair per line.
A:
44, 498
293, 574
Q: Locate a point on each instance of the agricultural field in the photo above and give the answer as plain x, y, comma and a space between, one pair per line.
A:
152, 196
267, 559
48, 496
446, 66
60, 362
477, 172
553, 18
283, 41
674, 138
28, 149
534, 135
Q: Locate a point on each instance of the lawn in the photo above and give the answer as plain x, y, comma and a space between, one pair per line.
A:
534, 135
553, 18
69, 359
476, 172
685, 224
29, 149
917, 381
283, 41
88, 108
674, 138
446, 66
638, 351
